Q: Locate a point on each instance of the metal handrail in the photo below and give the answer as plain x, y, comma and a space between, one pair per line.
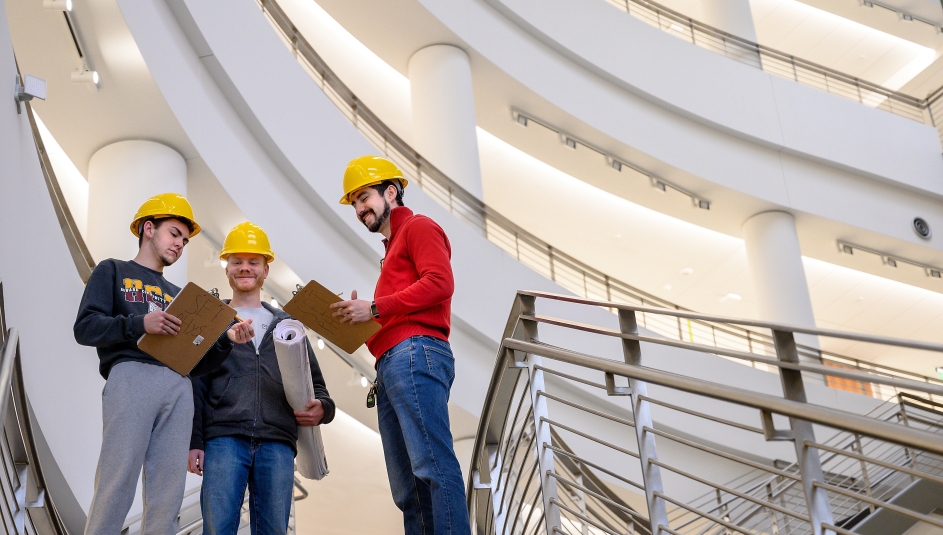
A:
558, 266
81, 256
27, 488
780, 63
802, 497
845, 421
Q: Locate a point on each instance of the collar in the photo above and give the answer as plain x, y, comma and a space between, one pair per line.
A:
398, 217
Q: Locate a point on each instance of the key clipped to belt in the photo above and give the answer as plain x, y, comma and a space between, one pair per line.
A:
372, 396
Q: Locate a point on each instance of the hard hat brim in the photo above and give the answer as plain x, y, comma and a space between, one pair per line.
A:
269, 257
135, 225
402, 184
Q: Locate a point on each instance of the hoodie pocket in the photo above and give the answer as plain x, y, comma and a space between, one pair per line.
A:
236, 402
275, 408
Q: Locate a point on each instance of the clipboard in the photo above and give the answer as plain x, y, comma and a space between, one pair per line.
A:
203, 318
311, 306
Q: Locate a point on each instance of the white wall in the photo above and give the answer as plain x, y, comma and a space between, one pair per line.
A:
42, 290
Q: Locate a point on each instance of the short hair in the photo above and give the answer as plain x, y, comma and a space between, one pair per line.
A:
158, 221
382, 187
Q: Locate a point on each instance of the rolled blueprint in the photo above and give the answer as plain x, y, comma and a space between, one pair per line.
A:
292, 352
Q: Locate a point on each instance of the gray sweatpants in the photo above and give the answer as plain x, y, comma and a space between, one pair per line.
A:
147, 412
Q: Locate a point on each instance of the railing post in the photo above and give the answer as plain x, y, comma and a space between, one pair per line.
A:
911, 455
864, 469
651, 474
548, 484
810, 467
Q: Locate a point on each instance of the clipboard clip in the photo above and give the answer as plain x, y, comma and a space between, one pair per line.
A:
298, 288
214, 292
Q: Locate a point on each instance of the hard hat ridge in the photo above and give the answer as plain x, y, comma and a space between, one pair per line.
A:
247, 237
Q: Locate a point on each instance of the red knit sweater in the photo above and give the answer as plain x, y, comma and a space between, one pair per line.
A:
414, 291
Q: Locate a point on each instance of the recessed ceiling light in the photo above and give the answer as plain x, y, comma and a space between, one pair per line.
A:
363, 381
320, 343
667, 286
223, 264
274, 302
731, 297
687, 271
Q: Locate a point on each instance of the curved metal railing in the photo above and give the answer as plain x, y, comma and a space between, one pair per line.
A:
73, 238
924, 110
537, 254
521, 480
26, 508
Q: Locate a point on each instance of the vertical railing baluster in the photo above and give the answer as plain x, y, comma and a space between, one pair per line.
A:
864, 469
641, 411
810, 467
548, 484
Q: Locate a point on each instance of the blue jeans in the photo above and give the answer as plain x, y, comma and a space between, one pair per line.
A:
413, 382
232, 463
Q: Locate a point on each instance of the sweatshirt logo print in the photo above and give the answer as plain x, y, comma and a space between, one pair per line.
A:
136, 291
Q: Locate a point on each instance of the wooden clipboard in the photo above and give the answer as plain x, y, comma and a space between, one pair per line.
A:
203, 318
311, 306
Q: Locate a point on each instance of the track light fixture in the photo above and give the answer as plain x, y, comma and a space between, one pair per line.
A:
85, 76
611, 161
890, 260
58, 5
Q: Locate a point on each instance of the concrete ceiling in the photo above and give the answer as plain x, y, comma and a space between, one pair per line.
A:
127, 105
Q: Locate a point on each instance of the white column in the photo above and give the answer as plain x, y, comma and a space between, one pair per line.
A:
731, 16
444, 113
775, 259
121, 176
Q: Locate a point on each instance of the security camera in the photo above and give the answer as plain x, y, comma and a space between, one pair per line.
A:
31, 88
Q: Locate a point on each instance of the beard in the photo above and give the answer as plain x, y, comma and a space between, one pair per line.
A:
241, 285
378, 219
166, 258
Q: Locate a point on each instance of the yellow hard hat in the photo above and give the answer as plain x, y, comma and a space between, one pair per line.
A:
247, 238
165, 205
367, 171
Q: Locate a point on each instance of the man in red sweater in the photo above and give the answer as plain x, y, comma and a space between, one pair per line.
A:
415, 367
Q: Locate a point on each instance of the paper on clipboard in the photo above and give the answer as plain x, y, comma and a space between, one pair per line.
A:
203, 318
311, 306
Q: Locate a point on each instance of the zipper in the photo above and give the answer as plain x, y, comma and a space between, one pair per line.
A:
258, 376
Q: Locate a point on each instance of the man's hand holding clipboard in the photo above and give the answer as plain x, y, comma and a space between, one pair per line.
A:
316, 307
181, 335
353, 311
160, 322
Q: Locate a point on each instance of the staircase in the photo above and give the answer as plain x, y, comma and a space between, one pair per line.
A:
553, 453
853, 473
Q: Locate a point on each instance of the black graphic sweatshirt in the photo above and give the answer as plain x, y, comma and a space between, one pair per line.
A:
111, 316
